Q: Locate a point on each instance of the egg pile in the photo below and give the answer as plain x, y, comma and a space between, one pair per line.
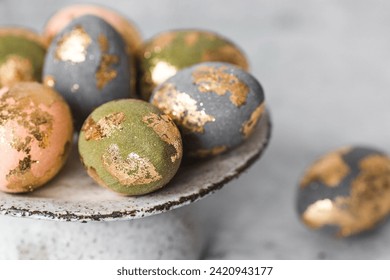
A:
139, 107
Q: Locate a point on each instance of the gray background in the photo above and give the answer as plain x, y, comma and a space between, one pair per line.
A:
325, 69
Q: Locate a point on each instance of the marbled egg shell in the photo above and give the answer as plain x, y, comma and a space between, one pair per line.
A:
125, 28
22, 54
215, 105
35, 136
163, 55
88, 65
346, 191
130, 147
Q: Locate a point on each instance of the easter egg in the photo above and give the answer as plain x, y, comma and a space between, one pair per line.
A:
215, 105
22, 54
123, 26
130, 147
166, 53
36, 134
87, 63
128, 31
346, 191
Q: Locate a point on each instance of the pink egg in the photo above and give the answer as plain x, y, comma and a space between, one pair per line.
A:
63, 17
36, 133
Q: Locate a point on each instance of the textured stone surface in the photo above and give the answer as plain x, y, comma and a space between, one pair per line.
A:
170, 236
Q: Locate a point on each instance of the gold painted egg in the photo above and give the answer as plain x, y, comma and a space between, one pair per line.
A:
22, 54
215, 105
127, 29
130, 147
346, 191
87, 64
35, 136
166, 53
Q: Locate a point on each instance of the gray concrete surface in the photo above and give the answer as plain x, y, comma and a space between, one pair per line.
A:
325, 69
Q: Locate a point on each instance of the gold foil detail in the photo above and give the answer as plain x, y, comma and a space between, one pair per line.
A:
203, 153
181, 108
249, 125
38, 125
368, 203
49, 81
330, 170
216, 80
162, 71
191, 38
134, 170
73, 46
167, 131
15, 69
105, 127
227, 53
105, 73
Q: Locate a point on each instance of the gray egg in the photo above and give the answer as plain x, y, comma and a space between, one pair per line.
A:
87, 63
346, 192
215, 105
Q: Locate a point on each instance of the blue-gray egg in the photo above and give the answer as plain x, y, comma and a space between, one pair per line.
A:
88, 64
346, 191
215, 105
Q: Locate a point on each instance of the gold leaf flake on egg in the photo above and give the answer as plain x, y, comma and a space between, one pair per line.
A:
105, 73
37, 123
15, 69
208, 152
368, 203
227, 53
330, 170
133, 170
191, 38
162, 71
105, 127
164, 127
249, 125
73, 46
181, 108
216, 80
49, 81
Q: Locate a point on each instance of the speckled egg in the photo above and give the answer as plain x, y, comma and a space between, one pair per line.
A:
123, 26
163, 55
22, 53
346, 191
215, 105
87, 63
130, 147
35, 136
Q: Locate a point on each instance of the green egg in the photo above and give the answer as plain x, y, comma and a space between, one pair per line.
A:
130, 147
168, 52
22, 54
